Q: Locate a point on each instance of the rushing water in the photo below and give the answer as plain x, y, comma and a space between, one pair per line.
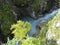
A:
34, 22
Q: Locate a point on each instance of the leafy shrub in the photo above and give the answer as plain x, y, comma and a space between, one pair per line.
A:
11, 42
20, 29
30, 41
39, 39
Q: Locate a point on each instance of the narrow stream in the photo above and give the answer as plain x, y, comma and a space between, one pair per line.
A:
34, 22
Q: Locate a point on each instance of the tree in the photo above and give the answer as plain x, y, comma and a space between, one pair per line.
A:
7, 19
20, 29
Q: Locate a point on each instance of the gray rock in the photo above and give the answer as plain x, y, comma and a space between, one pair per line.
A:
58, 41
58, 24
50, 35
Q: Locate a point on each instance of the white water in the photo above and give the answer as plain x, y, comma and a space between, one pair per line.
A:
34, 22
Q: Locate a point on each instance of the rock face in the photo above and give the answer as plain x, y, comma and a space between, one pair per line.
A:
34, 8
53, 32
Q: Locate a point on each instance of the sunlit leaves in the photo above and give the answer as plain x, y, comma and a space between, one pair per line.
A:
30, 41
21, 29
11, 42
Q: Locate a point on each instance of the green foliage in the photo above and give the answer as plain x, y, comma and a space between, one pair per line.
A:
21, 29
7, 18
42, 34
52, 25
30, 41
39, 39
6, 8
11, 42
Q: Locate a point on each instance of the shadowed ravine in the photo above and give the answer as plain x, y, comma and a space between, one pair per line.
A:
35, 22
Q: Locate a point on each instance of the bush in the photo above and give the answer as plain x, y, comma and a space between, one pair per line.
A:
20, 29
6, 18
30, 41
11, 42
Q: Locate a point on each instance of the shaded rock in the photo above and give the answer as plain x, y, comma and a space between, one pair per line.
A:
33, 8
0, 43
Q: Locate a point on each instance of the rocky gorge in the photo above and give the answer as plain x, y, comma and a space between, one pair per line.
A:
32, 8
33, 11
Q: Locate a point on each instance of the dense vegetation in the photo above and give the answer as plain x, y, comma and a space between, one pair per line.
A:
6, 20
41, 38
14, 31
21, 28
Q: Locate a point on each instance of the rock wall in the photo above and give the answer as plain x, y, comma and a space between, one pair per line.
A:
35, 8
